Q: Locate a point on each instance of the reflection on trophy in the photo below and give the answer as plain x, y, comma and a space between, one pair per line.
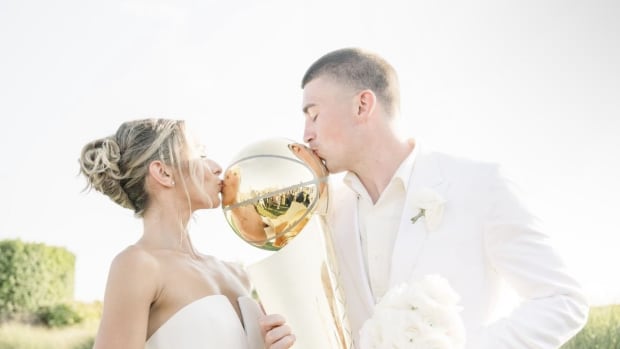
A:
274, 196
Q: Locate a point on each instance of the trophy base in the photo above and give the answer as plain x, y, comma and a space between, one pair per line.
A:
298, 282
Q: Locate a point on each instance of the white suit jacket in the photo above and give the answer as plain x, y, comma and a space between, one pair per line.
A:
485, 236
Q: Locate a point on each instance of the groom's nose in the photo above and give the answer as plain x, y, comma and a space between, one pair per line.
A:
309, 134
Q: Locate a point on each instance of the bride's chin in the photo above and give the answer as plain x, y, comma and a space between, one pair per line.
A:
207, 205
217, 202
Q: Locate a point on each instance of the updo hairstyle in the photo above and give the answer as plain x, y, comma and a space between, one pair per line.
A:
117, 166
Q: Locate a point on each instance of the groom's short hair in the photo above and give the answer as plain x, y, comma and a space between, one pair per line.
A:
360, 70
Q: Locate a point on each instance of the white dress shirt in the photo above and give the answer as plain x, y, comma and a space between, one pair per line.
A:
378, 223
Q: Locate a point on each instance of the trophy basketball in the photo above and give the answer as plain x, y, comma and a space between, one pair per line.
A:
274, 198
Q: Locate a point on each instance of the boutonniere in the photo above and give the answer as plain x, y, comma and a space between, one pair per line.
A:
430, 205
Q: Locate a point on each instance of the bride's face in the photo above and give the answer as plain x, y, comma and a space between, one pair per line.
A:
203, 178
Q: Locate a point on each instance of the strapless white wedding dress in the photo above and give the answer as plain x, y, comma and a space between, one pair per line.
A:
210, 322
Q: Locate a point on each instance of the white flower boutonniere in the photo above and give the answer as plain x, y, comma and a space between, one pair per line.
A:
418, 315
430, 205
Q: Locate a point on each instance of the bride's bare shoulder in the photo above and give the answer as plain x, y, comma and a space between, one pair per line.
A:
135, 254
135, 263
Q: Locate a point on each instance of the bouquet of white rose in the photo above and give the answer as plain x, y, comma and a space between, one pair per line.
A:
423, 314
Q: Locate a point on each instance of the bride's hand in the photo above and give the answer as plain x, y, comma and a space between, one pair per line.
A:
276, 333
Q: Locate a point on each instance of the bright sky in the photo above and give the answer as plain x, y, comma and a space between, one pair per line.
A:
534, 85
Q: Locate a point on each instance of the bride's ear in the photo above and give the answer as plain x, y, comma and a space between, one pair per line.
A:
161, 173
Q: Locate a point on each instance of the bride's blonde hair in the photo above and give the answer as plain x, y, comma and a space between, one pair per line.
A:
117, 165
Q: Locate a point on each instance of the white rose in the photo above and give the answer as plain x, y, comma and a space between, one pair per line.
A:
423, 314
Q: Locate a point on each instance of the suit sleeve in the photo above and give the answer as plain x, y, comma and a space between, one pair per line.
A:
553, 307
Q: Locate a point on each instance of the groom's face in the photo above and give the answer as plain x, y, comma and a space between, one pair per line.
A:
329, 121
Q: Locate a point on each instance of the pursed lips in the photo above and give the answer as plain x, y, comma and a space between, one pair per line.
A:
315, 151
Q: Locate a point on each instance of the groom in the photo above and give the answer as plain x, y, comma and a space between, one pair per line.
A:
474, 231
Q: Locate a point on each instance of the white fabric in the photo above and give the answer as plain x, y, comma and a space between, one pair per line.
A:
250, 313
485, 237
378, 224
209, 322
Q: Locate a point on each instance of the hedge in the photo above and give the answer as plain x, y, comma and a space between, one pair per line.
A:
33, 275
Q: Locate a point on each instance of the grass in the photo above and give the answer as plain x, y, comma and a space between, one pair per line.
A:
601, 332
21, 336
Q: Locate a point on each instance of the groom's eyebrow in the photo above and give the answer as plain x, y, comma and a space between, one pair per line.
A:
308, 106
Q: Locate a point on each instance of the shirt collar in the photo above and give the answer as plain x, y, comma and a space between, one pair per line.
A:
402, 174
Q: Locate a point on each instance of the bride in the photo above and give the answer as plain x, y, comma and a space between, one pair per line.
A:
161, 292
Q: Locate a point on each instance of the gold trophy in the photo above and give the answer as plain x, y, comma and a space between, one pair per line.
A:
274, 198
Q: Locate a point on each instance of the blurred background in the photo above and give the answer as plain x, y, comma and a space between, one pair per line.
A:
534, 85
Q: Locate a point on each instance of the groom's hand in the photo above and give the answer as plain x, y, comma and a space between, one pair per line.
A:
276, 333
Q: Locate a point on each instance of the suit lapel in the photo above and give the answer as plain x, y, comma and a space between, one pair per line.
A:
348, 249
411, 238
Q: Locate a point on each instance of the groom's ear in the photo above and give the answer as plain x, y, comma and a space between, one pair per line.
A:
366, 104
161, 173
